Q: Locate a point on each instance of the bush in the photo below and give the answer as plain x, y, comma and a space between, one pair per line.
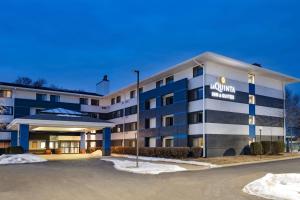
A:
266, 145
277, 147
256, 148
170, 152
273, 148
196, 152
14, 150
90, 150
57, 151
48, 152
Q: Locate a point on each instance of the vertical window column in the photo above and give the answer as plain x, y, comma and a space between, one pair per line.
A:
252, 126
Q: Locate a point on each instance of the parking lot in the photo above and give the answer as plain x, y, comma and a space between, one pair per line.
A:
95, 179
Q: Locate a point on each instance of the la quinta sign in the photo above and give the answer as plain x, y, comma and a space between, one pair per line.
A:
221, 90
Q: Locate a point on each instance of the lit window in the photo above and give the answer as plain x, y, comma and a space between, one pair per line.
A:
251, 78
168, 142
251, 99
252, 120
198, 142
5, 93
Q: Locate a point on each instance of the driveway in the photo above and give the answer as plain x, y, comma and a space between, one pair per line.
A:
95, 179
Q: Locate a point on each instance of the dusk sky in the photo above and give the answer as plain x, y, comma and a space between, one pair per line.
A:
72, 44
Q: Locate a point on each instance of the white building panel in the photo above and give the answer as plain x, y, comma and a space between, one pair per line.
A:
149, 86
264, 91
267, 111
5, 135
126, 135
195, 106
195, 82
5, 119
226, 129
226, 106
6, 102
187, 73
270, 131
195, 129
126, 119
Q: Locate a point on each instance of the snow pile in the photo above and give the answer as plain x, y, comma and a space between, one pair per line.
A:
144, 167
20, 158
155, 159
276, 186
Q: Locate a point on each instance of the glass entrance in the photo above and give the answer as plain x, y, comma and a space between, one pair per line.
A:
69, 146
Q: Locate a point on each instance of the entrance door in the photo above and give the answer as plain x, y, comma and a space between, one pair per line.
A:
69, 147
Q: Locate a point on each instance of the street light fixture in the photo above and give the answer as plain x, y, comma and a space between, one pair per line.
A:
138, 115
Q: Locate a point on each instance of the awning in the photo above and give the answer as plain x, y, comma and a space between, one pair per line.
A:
60, 123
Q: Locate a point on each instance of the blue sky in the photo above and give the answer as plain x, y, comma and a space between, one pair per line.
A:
73, 43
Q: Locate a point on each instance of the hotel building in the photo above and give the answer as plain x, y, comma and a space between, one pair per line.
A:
209, 101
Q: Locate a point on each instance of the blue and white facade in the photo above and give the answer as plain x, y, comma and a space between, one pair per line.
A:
209, 101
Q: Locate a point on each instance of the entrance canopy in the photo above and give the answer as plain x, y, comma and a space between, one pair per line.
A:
61, 123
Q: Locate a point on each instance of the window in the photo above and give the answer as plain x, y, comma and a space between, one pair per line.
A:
6, 110
132, 94
150, 104
41, 97
118, 100
169, 80
251, 120
130, 110
116, 114
4, 144
84, 101
168, 120
37, 144
150, 123
168, 142
147, 123
118, 128
159, 83
3, 126
112, 101
54, 98
141, 90
197, 142
197, 71
195, 117
131, 126
251, 99
251, 78
94, 102
167, 99
150, 142
195, 94
5, 94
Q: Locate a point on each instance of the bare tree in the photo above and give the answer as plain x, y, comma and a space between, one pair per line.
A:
23, 80
39, 83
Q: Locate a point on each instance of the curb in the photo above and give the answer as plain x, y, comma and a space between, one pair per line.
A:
257, 162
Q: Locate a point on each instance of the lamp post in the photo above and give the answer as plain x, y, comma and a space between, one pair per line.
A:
138, 114
260, 130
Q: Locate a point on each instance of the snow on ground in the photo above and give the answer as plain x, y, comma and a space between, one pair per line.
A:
20, 159
276, 186
144, 167
155, 159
